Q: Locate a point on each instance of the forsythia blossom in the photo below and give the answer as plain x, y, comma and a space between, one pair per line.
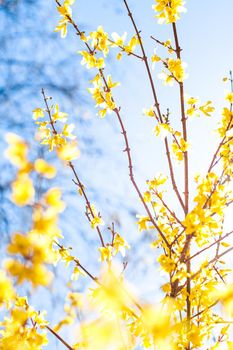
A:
169, 10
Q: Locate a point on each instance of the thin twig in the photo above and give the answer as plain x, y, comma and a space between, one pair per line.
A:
49, 112
127, 149
59, 338
187, 245
123, 49
209, 246
173, 214
206, 309
81, 187
222, 142
162, 43
215, 259
70, 164
156, 103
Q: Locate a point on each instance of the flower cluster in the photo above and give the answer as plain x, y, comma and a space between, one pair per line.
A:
66, 15
169, 10
102, 94
64, 141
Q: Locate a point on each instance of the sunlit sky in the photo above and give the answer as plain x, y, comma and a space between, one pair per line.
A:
205, 36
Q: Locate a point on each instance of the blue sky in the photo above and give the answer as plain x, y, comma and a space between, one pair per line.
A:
205, 37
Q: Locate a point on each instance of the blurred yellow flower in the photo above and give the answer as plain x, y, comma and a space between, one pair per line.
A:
22, 190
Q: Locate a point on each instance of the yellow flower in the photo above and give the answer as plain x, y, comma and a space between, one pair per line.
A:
53, 199
105, 253
35, 252
147, 196
22, 190
149, 112
66, 14
142, 222
154, 59
57, 115
68, 151
96, 221
207, 108
76, 273
176, 67
20, 331
45, 169
119, 244
180, 149
167, 264
37, 274
168, 79
110, 83
225, 295
6, 288
112, 296
102, 333
45, 220
100, 40
156, 321
192, 101
132, 44
102, 97
17, 150
38, 113
91, 61
169, 10
158, 180
163, 129
118, 40
67, 131
229, 97
119, 56
62, 27
192, 109
32, 247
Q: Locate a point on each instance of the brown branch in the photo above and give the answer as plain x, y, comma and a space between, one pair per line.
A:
162, 43
131, 175
172, 176
219, 274
127, 149
145, 59
70, 164
183, 121
229, 203
186, 177
123, 49
77, 262
215, 259
97, 281
156, 102
173, 214
49, 112
206, 309
209, 246
218, 256
88, 204
214, 189
59, 338
222, 142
